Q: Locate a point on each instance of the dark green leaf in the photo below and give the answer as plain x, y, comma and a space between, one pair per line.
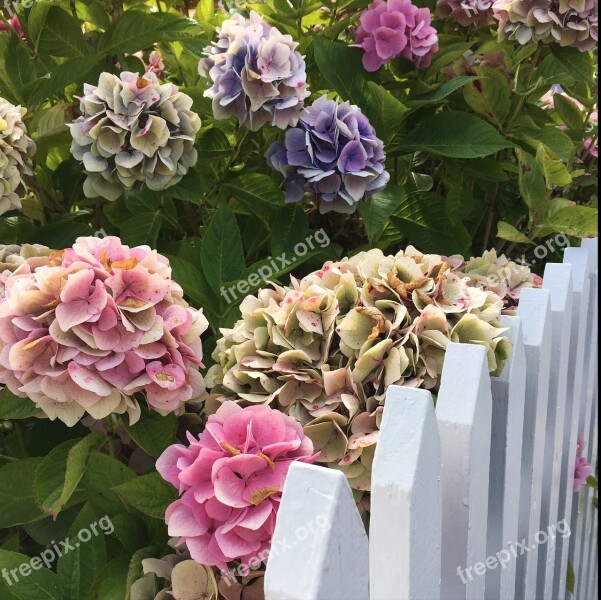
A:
153, 432
38, 584
16, 493
150, 494
290, 227
60, 34
376, 211
142, 229
13, 407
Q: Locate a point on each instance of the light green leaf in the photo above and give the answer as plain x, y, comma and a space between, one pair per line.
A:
570, 578
531, 179
59, 473
16, 493
579, 221
570, 114
150, 494
556, 173
489, 95
506, 231
13, 407
221, 254
377, 209
454, 134
153, 432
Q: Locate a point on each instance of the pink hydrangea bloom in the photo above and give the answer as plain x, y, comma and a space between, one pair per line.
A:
93, 326
582, 469
396, 28
16, 25
231, 480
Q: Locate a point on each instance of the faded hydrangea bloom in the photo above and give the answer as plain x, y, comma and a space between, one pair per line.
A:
393, 28
95, 325
258, 75
325, 349
467, 12
133, 132
16, 150
334, 153
500, 275
571, 23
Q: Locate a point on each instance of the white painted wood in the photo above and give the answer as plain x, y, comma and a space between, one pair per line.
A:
319, 548
582, 550
534, 310
558, 280
463, 411
406, 500
581, 262
508, 393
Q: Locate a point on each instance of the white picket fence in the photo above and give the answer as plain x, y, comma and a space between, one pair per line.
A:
473, 499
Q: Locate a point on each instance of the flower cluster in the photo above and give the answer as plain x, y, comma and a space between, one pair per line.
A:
133, 131
393, 28
326, 348
499, 275
16, 150
582, 469
333, 153
467, 12
155, 63
93, 325
257, 73
231, 480
566, 22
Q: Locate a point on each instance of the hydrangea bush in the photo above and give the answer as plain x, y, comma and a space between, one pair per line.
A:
291, 187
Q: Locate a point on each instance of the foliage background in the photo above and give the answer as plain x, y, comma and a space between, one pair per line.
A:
475, 162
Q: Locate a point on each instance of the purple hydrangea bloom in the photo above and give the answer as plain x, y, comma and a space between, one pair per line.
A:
257, 73
467, 12
396, 28
334, 153
573, 23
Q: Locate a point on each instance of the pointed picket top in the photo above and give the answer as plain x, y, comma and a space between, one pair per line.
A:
508, 396
463, 411
558, 280
406, 497
319, 547
534, 310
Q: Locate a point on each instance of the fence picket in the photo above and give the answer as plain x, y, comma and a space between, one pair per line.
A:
463, 411
508, 392
406, 500
558, 280
581, 263
534, 310
319, 547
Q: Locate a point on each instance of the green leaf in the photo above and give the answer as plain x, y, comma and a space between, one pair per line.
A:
222, 255
134, 570
16, 493
60, 34
423, 220
578, 64
19, 65
570, 578
79, 567
135, 30
61, 470
383, 110
112, 580
376, 211
570, 114
153, 432
102, 474
579, 221
13, 407
205, 13
259, 194
290, 226
32, 584
506, 231
213, 143
150, 494
192, 281
458, 204
531, 179
556, 173
489, 95
441, 92
454, 134
341, 65
142, 229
